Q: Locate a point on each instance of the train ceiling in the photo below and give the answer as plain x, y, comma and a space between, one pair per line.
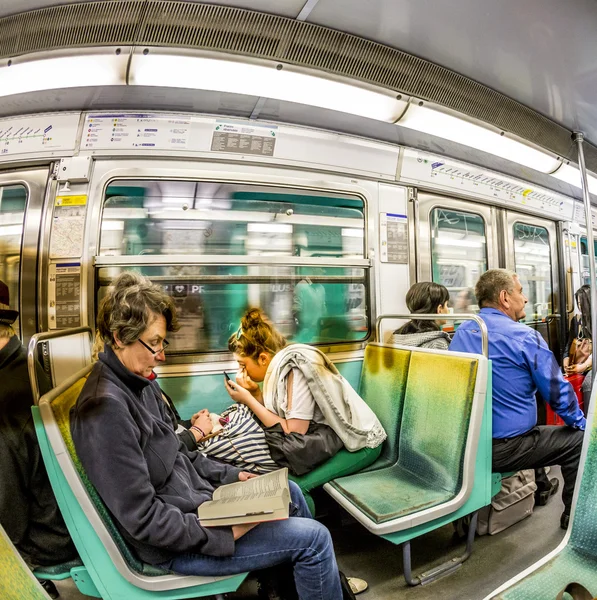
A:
539, 53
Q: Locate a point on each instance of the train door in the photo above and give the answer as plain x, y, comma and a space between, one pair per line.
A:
457, 241
21, 200
531, 251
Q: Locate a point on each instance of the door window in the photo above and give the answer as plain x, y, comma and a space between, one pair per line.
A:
13, 201
458, 255
585, 274
532, 263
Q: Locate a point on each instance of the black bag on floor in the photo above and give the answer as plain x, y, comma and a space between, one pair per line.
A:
577, 591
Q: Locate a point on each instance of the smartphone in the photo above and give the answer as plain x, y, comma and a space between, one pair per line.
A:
227, 377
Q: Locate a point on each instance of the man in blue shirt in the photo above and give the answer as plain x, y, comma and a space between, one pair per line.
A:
522, 365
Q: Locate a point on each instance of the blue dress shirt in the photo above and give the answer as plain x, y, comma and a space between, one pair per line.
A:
522, 364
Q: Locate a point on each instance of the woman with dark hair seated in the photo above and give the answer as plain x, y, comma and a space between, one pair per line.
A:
425, 297
152, 484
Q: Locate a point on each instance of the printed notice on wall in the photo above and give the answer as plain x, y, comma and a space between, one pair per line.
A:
143, 131
393, 232
64, 295
68, 226
22, 135
244, 138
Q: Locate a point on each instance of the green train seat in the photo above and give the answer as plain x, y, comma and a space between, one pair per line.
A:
16, 580
382, 386
437, 464
575, 559
110, 569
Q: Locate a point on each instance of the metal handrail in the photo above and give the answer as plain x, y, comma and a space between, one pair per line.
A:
44, 337
443, 317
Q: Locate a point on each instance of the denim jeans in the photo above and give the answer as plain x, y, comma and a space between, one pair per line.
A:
299, 540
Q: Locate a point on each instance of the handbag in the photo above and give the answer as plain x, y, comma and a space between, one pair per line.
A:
240, 442
580, 350
302, 453
576, 591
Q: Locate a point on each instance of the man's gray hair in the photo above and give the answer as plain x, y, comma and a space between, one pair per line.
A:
130, 306
491, 284
6, 331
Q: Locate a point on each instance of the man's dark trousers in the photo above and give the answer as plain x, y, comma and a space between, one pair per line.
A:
542, 446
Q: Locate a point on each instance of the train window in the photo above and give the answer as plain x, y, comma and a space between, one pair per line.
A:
532, 260
13, 201
458, 254
247, 246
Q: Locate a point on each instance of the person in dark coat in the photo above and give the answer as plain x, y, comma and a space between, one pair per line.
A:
28, 509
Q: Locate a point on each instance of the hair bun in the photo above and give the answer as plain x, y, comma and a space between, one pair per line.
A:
252, 318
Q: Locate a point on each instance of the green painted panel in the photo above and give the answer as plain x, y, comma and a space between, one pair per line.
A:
191, 394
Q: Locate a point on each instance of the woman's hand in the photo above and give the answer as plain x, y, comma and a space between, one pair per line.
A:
202, 420
245, 475
237, 393
246, 382
565, 363
571, 369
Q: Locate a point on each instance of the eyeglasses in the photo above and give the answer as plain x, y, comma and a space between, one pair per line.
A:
165, 344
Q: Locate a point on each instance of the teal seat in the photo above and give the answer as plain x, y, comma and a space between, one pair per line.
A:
16, 580
383, 382
440, 448
432, 442
110, 568
576, 557
58, 572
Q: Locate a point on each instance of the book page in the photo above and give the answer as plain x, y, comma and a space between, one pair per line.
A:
264, 486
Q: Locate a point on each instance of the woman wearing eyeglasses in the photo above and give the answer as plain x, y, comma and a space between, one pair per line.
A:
152, 484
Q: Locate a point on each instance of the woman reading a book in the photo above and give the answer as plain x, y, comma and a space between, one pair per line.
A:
152, 484
308, 409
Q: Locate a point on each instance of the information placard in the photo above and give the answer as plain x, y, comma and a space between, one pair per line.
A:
64, 295
142, 131
244, 138
68, 226
451, 175
393, 231
43, 133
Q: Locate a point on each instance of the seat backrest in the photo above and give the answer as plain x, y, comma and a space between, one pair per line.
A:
436, 416
61, 407
16, 580
584, 526
383, 385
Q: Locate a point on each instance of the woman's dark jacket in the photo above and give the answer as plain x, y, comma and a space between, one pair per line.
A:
151, 483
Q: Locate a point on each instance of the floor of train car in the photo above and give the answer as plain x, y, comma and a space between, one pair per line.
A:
494, 560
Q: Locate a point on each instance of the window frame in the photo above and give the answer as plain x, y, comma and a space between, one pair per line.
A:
288, 184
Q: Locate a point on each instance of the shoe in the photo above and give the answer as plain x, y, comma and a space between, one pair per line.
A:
542, 497
564, 521
357, 585
50, 588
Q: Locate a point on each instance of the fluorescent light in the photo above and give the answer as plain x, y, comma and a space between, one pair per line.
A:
571, 175
235, 76
63, 72
112, 225
438, 123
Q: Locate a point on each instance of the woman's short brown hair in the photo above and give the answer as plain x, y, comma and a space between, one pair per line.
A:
256, 335
130, 307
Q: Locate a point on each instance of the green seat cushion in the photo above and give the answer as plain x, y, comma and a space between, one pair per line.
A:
61, 407
16, 580
57, 571
383, 387
390, 493
343, 463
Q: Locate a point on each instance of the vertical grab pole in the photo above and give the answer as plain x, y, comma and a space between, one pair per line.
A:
578, 137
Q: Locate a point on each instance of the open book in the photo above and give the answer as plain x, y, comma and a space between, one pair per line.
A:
263, 498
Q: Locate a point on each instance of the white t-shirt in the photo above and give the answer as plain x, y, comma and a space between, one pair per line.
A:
303, 404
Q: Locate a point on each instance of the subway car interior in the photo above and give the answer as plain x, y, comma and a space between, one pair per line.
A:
313, 158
